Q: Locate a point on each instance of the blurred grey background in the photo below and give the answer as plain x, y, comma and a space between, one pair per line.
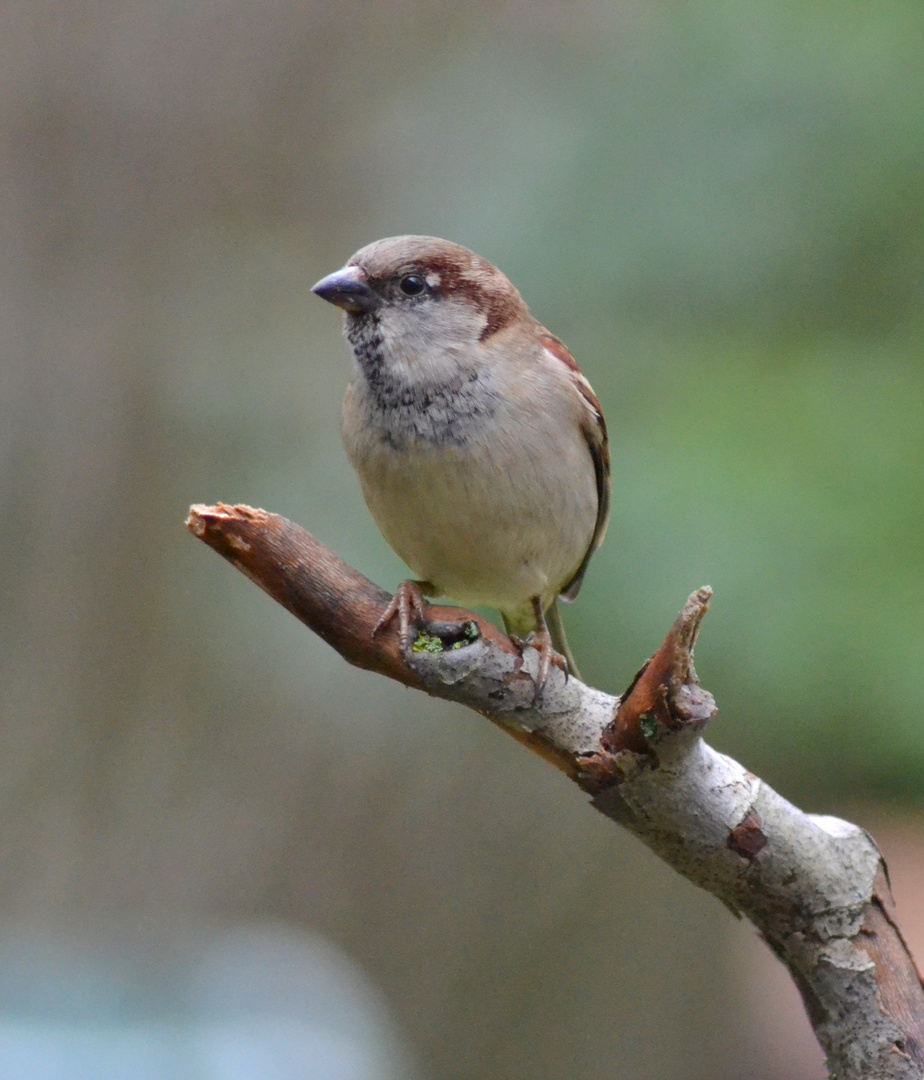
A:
719, 208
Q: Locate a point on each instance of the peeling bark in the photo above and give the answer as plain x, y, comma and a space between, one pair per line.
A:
815, 887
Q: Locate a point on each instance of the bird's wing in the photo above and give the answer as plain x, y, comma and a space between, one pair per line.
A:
593, 427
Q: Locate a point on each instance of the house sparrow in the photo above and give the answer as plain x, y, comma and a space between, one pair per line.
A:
480, 447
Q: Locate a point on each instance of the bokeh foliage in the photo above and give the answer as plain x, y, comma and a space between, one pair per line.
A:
717, 206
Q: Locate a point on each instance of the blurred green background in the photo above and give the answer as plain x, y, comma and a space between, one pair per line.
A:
719, 208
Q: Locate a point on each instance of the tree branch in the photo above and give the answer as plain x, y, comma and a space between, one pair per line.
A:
815, 887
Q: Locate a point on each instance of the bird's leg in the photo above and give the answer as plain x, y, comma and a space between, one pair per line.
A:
541, 641
408, 606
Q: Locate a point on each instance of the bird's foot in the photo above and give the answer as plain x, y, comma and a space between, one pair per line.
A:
407, 605
541, 640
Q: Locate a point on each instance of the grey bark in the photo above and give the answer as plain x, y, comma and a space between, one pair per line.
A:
815, 887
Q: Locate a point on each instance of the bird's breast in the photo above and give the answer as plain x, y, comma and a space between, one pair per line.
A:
469, 495
426, 413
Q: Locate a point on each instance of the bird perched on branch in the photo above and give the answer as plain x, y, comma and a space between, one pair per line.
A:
480, 446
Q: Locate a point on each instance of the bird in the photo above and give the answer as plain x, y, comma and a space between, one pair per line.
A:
480, 447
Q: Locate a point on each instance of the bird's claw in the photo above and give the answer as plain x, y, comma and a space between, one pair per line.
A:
541, 640
408, 606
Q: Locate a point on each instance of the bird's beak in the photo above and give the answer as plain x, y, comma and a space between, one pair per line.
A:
348, 289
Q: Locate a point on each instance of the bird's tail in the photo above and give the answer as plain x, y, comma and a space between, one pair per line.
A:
559, 640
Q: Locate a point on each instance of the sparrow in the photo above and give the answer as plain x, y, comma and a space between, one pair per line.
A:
480, 447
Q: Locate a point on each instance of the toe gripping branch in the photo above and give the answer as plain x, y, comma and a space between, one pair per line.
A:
864, 996
372, 630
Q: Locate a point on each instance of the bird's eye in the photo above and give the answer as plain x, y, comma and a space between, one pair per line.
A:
412, 284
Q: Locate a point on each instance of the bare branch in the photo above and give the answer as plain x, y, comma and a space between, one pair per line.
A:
815, 887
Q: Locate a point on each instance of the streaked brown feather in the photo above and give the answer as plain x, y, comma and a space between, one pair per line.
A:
594, 430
